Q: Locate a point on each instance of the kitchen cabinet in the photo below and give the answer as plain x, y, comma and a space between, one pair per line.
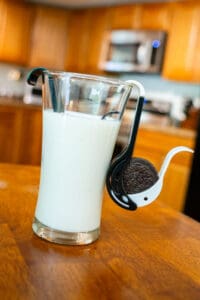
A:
49, 38
96, 38
9, 134
78, 40
15, 31
124, 16
155, 16
182, 59
98, 25
20, 134
75, 40
140, 16
86, 39
30, 136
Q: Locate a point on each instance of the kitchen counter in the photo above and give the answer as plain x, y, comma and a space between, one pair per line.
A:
17, 102
150, 122
152, 253
170, 130
21, 134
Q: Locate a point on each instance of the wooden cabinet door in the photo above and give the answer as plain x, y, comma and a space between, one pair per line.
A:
140, 16
86, 39
124, 17
2, 22
30, 136
78, 40
10, 124
49, 39
154, 16
15, 30
20, 134
182, 59
98, 25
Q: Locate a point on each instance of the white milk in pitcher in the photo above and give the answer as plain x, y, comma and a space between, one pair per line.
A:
77, 149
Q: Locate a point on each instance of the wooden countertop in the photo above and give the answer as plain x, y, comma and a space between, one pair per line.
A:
152, 123
17, 102
152, 253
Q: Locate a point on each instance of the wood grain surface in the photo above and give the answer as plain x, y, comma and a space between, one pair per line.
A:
152, 253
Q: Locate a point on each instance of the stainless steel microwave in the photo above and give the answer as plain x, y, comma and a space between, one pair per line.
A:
133, 51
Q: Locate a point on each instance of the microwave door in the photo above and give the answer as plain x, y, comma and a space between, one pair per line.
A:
122, 57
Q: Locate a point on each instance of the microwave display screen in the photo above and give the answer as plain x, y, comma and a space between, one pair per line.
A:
123, 53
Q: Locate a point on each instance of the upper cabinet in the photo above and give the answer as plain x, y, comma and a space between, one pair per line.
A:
49, 38
15, 31
182, 59
154, 16
86, 39
78, 41
124, 17
145, 16
74, 40
98, 25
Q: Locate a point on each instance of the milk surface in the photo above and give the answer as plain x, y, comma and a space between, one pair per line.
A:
77, 149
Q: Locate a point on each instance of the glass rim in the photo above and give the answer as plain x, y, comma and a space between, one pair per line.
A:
93, 77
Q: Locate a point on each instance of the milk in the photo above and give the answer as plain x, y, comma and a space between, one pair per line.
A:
77, 149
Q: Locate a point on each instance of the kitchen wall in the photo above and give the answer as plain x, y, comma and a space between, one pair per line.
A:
160, 85
11, 85
12, 80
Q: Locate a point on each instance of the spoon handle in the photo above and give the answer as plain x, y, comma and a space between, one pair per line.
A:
127, 153
32, 80
134, 129
34, 74
169, 156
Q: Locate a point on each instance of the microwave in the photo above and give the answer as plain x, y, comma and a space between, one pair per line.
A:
133, 51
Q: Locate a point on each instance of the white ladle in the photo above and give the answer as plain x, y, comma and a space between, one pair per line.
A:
119, 168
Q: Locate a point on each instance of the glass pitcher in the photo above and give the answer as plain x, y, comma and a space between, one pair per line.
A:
81, 120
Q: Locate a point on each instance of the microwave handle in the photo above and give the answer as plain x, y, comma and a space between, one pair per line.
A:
144, 54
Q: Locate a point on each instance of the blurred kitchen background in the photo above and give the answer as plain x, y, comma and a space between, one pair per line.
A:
154, 42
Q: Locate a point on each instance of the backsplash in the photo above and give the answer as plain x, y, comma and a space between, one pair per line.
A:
155, 83
13, 80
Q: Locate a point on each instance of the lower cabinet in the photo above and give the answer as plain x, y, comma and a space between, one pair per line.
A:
21, 137
31, 137
20, 134
9, 133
